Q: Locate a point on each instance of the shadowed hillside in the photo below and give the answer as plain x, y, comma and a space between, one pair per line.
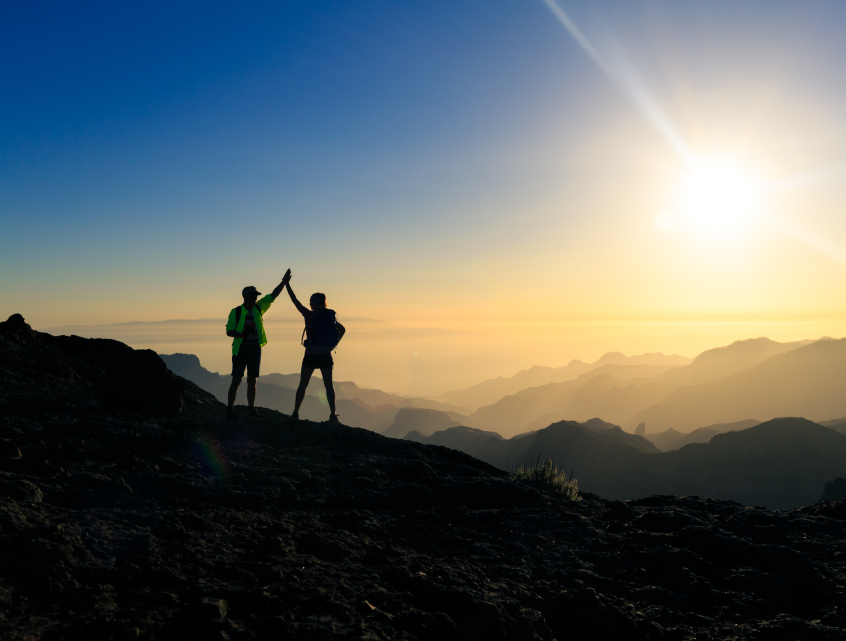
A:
750, 465
594, 452
747, 466
672, 440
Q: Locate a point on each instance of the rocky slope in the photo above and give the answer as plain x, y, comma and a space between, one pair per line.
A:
128, 519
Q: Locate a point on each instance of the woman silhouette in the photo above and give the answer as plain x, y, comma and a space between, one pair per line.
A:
323, 332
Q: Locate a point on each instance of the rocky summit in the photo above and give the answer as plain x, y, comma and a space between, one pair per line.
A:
130, 509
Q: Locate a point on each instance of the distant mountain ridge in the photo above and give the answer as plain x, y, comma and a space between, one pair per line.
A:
620, 393
719, 362
672, 440
536, 407
420, 420
807, 381
492, 390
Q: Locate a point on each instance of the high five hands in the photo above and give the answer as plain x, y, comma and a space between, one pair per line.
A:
285, 279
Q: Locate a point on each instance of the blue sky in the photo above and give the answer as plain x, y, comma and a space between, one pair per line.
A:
419, 160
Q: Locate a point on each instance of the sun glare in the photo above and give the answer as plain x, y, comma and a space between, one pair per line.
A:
719, 200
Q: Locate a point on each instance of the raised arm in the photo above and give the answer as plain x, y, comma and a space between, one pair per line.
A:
294, 300
285, 279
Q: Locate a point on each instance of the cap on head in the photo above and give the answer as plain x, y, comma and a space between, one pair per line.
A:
250, 290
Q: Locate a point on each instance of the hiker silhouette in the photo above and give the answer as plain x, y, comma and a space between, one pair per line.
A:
246, 327
322, 332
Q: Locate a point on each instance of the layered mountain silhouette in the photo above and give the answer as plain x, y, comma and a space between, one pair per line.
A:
490, 391
537, 407
838, 424
719, 362
420, 420
622, 394
672, 439
748, 466
807, 381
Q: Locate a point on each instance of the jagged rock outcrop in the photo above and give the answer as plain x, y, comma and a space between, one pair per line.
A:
117, 525
640, 430
834, 490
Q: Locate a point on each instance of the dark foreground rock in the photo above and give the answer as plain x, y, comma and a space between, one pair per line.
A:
834, 490
116, 375
115, 525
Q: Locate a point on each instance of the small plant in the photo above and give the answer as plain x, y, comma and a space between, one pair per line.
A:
550, 478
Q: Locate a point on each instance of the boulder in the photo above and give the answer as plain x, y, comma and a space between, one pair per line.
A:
206, 608
20, 490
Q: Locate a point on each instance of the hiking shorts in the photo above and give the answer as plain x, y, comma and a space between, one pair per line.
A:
249, 358
318, 361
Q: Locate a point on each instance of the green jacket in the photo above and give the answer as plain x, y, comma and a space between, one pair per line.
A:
263, 305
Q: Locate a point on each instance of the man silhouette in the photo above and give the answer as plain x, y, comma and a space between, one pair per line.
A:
245, 325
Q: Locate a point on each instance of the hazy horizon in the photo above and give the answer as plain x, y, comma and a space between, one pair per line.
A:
380, 355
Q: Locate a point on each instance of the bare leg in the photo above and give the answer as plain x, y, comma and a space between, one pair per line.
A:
233, 390
305, 377
251, 391
326, 373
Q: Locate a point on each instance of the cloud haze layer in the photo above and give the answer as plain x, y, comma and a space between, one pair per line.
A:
427, 361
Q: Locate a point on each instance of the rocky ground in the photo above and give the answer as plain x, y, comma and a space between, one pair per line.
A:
123, 516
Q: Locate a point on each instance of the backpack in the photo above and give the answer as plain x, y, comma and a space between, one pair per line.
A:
238, 314
324, 330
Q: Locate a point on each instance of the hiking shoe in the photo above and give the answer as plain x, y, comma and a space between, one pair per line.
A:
333, 418
230, 414
295, 416
254, 414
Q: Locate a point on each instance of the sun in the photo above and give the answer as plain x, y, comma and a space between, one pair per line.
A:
719, 200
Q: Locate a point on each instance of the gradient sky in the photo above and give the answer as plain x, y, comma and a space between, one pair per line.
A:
467, 170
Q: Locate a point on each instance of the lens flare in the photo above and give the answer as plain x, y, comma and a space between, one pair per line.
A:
212, 458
